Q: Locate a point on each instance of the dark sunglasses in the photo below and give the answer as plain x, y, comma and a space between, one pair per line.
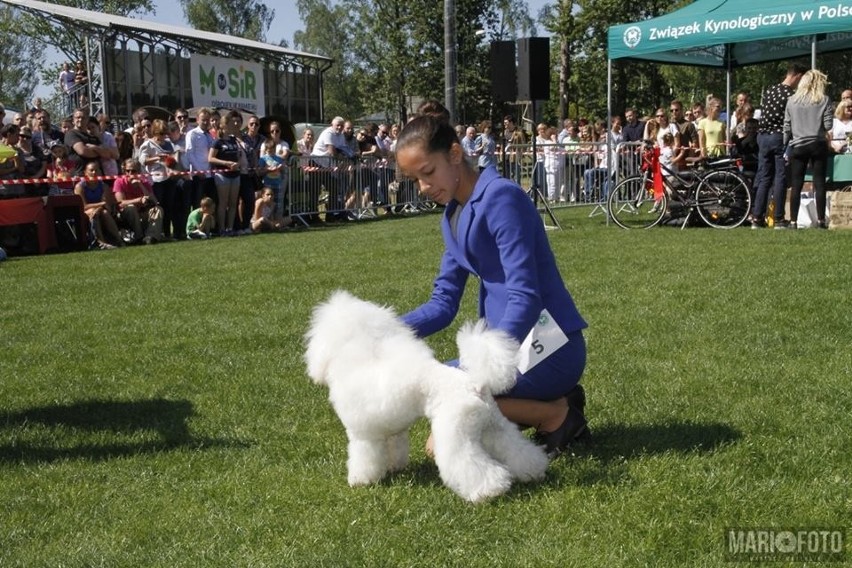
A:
180, 116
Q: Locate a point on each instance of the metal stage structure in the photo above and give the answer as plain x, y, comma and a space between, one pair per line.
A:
133, 63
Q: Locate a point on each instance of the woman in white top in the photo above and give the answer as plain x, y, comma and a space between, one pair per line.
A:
841, 128
657, 127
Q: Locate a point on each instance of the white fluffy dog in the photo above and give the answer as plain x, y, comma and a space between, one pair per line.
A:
382, 378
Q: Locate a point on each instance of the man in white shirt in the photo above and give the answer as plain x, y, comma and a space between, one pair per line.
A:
330, 145
198, 143
330, 142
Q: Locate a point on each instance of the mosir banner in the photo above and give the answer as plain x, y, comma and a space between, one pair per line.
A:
227, 83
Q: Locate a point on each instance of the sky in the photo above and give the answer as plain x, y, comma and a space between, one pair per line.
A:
286, 21
285, 24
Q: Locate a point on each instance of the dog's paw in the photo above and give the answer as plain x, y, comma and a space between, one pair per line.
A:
359, 478
531, 467
493, 483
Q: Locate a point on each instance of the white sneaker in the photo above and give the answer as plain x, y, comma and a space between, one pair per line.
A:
197, 234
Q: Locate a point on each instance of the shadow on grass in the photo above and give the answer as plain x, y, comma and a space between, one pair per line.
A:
633, 440
613, 445
166, 418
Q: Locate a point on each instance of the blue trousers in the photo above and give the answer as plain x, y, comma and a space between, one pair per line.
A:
771, 176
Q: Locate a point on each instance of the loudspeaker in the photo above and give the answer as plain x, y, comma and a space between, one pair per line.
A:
503, 78
533, 69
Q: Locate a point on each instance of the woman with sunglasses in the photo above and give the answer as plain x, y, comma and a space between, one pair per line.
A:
35, 163
282, 152
657, 127
228, 157
157, 157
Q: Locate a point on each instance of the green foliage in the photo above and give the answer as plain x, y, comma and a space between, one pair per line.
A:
154, 407
327, 32
19, 54
389, 53
71, 42
248, 19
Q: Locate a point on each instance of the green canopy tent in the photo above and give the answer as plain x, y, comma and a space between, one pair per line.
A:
724, 33
729, 34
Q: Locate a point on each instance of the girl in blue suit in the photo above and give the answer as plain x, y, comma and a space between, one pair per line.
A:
491, 229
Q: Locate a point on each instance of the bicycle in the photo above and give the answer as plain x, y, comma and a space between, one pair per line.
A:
718, 193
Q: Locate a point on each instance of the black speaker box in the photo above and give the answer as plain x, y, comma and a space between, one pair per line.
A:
503, 78
533, 69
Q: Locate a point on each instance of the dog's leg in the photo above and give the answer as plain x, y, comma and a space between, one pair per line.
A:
398, 451
368, 461
465, 466
525, 460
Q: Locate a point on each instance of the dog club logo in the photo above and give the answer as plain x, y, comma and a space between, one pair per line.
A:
785, 545
632, 36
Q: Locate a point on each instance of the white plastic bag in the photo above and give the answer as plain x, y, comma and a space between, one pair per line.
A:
807, 212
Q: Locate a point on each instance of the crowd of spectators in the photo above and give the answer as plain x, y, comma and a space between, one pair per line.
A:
146, 180
149, 177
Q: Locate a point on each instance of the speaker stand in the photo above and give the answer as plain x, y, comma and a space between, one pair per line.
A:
535, 189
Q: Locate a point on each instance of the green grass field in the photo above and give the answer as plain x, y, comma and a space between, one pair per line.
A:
154, 408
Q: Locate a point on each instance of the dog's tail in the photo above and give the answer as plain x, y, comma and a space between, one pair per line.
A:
489, 356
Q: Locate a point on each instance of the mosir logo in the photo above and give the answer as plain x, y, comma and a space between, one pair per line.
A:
227, 83
237, 82
632, 36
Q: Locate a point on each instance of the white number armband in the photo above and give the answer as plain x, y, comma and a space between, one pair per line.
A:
542, 341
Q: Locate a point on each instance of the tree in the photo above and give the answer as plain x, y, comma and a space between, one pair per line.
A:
327, 32
388, 53
249, 19
70, 41
559, 19
19, 55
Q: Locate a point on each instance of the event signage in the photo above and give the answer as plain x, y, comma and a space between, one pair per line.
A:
227, 83
687, 28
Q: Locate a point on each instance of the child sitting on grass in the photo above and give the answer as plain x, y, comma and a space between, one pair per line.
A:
201, 221
266, 216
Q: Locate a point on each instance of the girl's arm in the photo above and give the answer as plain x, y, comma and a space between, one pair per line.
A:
258, 205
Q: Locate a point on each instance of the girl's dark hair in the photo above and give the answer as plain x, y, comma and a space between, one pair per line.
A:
430, 128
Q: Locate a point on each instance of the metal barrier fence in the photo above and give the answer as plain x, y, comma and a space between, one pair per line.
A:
331, 188
573, 173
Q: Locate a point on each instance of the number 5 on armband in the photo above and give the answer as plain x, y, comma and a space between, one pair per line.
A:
544, 339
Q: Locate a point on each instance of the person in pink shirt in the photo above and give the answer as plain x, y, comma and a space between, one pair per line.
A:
133, 191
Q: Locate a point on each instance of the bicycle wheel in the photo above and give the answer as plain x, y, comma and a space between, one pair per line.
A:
723, 199
631, 204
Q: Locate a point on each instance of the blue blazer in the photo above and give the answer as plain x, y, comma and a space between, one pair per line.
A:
500, 238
